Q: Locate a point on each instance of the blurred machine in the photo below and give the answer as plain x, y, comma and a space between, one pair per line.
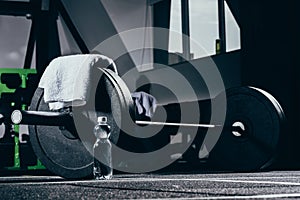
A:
16, 92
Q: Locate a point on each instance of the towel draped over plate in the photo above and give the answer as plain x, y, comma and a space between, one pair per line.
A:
67, 79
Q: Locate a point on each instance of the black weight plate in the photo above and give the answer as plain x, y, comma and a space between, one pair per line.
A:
59, 153
70, 156
257, 146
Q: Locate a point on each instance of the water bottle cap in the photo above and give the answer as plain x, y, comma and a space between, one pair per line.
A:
102, 119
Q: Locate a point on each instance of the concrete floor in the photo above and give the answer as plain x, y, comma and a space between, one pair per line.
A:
263, 185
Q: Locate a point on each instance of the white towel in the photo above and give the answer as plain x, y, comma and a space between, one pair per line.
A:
67, 79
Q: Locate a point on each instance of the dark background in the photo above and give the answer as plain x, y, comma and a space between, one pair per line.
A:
270, 59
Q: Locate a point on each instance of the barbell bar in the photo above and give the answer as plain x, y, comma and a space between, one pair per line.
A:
139, 122
51, 118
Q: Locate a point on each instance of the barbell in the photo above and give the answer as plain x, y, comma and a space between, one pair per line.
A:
249, 140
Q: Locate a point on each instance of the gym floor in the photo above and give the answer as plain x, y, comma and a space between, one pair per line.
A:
262, 185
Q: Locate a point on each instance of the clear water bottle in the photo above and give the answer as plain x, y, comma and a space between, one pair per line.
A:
102, 151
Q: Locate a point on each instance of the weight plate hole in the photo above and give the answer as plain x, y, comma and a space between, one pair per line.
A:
238, 129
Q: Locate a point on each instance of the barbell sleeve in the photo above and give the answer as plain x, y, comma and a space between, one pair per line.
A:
46, 118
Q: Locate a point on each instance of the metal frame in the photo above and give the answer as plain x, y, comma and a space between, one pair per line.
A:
44, 32
186, 28
15, 8
185, 23
67, 19
44, 38
222, 27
